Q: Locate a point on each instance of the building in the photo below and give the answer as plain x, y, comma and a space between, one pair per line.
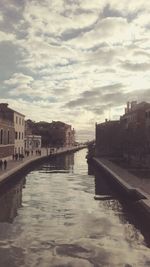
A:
17, 122
32, 143
135, 123
128, 138
69, 136
54, 134
147, 114
7, 132
108, 139
135, 114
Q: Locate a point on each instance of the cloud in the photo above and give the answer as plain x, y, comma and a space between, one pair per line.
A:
19, 79
110, 29
6, 36
87, 98
130, 66
10, 55
74, 60
11, 15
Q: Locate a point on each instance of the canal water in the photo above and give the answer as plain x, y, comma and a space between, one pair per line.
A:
50, 217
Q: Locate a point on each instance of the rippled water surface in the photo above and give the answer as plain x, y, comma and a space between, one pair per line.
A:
50, 218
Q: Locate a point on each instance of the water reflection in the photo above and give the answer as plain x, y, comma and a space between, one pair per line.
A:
59, 164
101, 186
123, 209
60, 224
10, 201
91, 169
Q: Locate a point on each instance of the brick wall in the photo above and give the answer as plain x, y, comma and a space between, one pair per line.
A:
6, 151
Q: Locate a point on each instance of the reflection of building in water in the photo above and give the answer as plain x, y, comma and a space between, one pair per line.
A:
65, 162
10, 201
69, 161
62, 162
90, 169
101, 185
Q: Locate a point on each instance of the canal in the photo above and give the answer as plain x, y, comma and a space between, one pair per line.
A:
49, 217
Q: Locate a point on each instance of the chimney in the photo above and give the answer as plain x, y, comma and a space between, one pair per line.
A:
128, 106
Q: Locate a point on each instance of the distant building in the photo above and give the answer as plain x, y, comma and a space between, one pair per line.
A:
147, 114
129, 137
135, 114
7, 132
32, 143
54, 134
69, 136
108, 139
135, 122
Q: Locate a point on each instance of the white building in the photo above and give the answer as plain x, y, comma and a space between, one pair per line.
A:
69, 136
19, 125
32, 142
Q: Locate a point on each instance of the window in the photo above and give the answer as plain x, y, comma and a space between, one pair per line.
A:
1, 136
16, 135
19, 135
16, 119
8, 138
19, 120
22, 135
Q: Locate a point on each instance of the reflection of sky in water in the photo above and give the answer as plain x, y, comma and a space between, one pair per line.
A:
60, 223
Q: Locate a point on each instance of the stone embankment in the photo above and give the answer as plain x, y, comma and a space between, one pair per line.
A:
132, 188
15, 167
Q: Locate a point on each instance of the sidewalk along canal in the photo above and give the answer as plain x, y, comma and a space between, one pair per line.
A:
14, 167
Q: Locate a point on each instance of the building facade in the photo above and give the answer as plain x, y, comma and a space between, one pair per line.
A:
108, 139
69, 136
7, 132
147, 114
136, 134
128, 138
12, 130
54, 134
135, 114
19, 124
32, 143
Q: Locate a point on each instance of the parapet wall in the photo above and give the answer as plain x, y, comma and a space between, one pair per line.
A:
140, 198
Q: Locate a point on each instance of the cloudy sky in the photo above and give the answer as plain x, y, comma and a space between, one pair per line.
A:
77, 61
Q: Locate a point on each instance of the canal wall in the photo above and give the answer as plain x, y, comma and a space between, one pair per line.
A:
18, 167
128, 185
